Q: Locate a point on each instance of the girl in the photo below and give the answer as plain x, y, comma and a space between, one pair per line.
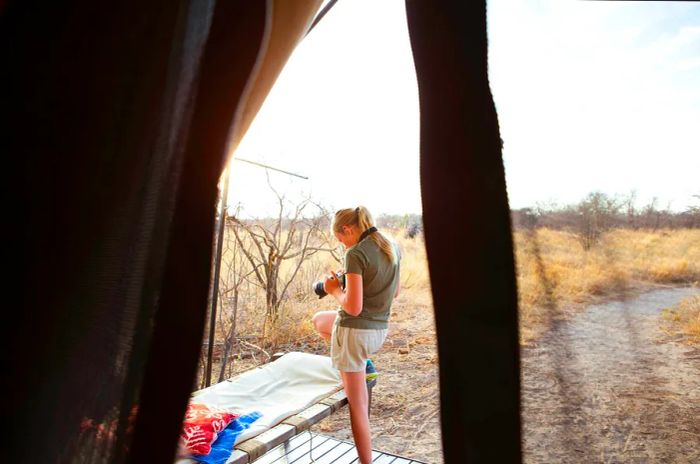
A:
360, 325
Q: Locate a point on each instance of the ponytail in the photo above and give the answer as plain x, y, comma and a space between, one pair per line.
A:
362, 219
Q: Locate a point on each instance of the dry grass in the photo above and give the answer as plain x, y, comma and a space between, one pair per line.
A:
414, 263
685, 318
555, 273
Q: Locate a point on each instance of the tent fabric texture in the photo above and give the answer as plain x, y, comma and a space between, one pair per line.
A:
467, 232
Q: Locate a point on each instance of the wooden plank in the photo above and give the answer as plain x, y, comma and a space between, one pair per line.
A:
281, 453
399, 460
238, 457
318, 451
296, 450
334, 453
336, 400
348, 457
300, 444
261, 444
275, 433
299, 452
309, 416
277, 453
352, 455
296, 441
384, 459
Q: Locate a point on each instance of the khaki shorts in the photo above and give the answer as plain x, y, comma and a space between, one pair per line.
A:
350, 348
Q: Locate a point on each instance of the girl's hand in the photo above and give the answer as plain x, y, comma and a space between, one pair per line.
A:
331, 284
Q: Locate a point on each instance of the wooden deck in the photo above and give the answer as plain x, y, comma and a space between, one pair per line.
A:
326, 450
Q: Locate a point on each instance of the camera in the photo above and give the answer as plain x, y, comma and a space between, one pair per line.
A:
318, 286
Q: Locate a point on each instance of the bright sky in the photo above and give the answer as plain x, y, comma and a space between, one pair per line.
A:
590, 96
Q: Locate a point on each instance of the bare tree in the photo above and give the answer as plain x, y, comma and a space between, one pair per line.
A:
290, 237
629, 205
597, 213
237, 271
652, 214
692, 213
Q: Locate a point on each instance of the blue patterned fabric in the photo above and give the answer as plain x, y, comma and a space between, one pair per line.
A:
222, 448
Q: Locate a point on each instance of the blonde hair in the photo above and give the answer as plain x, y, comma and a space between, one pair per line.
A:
361, 218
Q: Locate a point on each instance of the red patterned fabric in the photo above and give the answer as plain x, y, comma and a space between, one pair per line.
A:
202, 424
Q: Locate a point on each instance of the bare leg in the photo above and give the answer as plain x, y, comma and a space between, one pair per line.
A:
356, 389
323, 321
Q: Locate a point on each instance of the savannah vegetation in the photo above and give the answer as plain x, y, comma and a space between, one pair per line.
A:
566, 256
684, 319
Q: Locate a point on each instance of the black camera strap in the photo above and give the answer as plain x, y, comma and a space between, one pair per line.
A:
364, 235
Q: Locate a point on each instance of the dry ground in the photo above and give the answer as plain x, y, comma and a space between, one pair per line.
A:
608, 385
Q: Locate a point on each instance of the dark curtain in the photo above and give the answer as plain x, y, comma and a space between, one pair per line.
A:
467, 232
117, 116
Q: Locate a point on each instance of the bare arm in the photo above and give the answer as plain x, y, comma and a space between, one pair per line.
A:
350, 299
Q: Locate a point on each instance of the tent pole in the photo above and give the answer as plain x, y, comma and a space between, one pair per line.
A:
217, 273
321, 14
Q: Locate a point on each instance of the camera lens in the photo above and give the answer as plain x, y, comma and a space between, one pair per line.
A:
318, 289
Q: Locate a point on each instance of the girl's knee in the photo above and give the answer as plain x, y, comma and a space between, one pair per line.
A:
316, 318
323, 320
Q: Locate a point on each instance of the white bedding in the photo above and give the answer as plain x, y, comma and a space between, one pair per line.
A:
277, 390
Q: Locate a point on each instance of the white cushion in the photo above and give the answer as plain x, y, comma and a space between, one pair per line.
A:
277, 390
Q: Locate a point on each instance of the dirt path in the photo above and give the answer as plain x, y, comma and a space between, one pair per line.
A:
605, 386
608, 386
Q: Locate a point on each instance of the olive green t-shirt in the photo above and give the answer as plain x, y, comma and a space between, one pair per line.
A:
379, 280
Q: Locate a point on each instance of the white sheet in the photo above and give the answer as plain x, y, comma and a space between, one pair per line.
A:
277, 390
